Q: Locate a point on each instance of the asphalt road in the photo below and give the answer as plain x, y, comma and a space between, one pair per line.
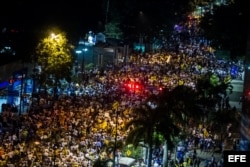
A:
234, 98
207, 156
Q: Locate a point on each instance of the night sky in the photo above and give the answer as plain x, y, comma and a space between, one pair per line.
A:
72, 16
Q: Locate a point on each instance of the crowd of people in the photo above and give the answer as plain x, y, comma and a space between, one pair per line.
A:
74, 129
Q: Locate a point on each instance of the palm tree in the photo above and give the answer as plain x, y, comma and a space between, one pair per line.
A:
180, 108
166, 114
170, 129
221, 119
181, 104
142, 127
211, 91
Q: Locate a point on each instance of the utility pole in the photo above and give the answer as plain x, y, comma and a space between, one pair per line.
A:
83, 66
107, 11
115, 145
21, 95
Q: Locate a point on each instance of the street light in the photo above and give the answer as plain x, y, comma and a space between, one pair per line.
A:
53, 35
83, 62
82, 52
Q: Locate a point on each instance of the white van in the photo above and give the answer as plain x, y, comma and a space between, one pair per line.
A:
126, 161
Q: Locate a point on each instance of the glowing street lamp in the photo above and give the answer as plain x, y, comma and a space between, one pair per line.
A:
53, 35
82, 52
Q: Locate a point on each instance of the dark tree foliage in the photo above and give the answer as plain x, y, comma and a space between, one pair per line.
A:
226, 27
179, 111
140, 17
211, 95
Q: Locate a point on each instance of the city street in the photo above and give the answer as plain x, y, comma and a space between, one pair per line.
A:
207, 156
234, 98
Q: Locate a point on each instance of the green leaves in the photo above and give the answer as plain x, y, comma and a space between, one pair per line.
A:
54, 56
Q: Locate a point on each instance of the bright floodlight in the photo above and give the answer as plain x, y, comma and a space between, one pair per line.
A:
53, 36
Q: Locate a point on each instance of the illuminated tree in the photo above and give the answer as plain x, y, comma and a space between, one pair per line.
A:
54, 55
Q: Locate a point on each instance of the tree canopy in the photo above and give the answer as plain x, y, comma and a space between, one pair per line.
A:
54, 55
146, 17
226, 27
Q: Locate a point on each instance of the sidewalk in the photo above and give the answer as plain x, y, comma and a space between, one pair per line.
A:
208, 156
204, 156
